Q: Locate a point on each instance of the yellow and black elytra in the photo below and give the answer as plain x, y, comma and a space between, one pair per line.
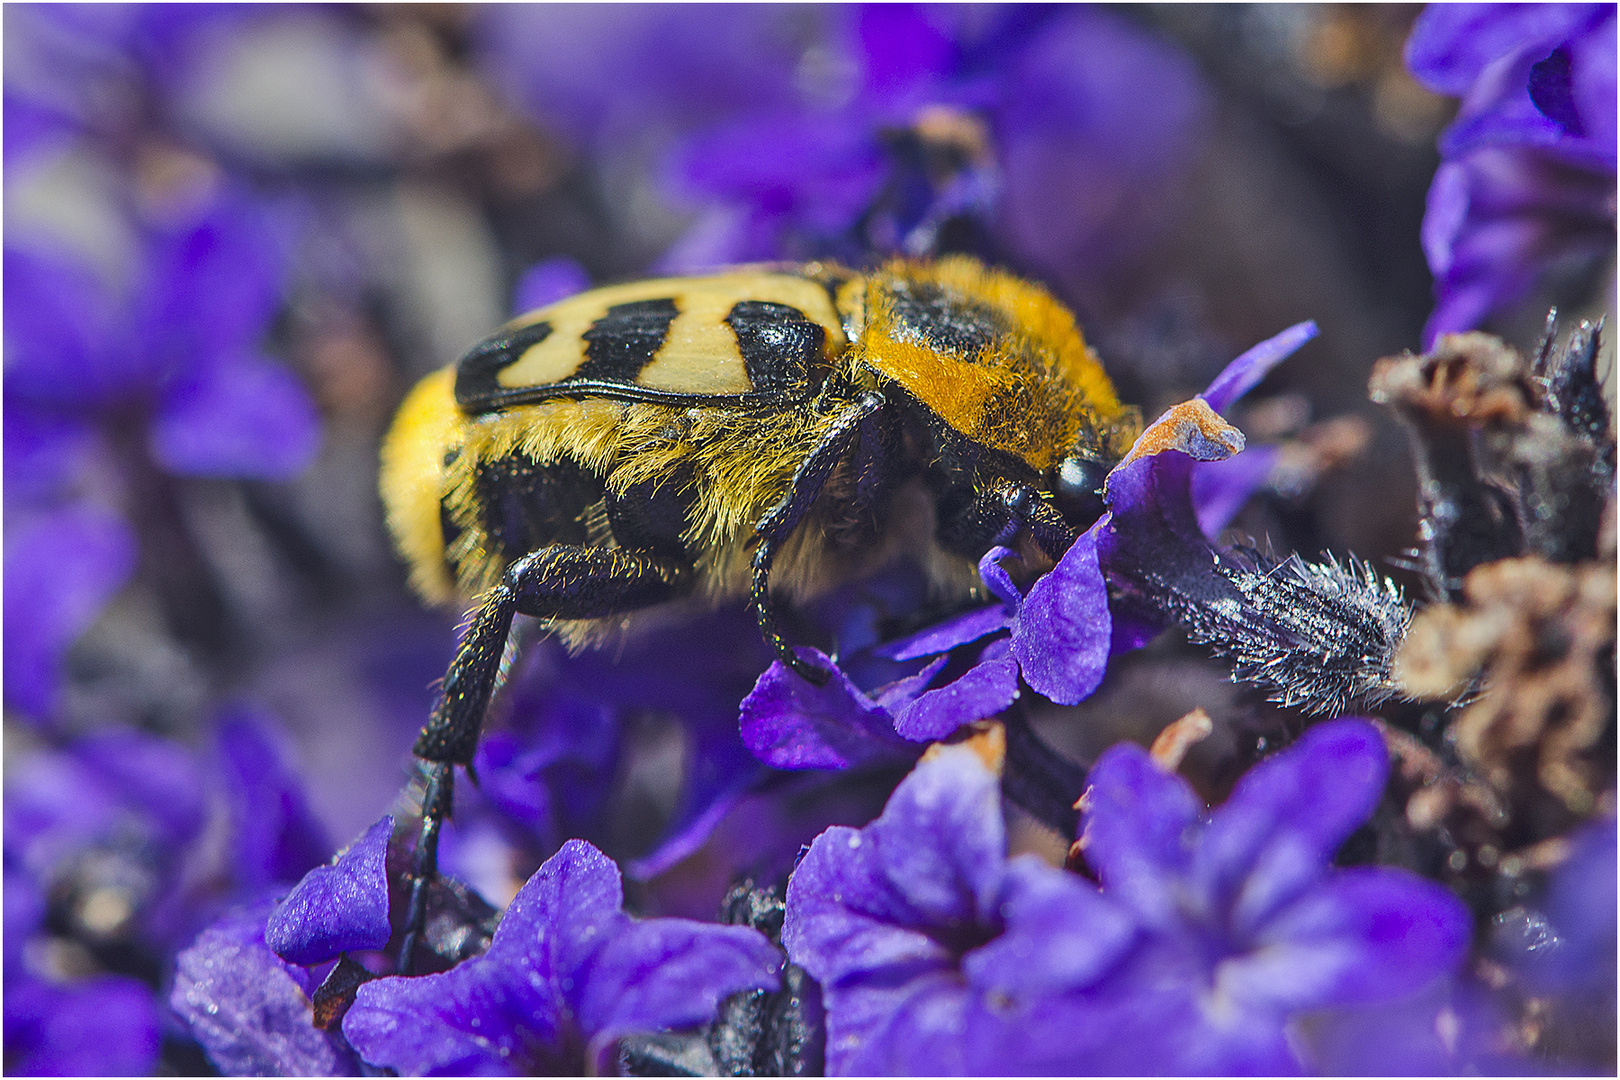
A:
643, 448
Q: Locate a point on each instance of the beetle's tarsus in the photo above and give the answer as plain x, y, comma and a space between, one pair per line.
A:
436, 802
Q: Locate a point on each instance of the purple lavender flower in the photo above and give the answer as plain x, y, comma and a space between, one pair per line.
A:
1245, 925
935, 952
567, 974
183, 354
549, 774
1528, 166
1565, 945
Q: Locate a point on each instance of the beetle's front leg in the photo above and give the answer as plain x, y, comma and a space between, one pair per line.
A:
994, 515
560, 582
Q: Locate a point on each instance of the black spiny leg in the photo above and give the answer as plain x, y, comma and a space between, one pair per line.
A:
563, 582
780, 521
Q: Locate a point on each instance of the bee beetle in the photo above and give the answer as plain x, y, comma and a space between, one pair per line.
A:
640, 448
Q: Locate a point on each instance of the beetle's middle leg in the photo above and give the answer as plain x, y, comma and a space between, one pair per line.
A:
562, 581
780, 521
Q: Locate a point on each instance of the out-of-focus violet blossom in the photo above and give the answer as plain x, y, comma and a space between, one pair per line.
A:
170, 375
61, 568
1565, 945
1528, 169
1060, 635
567, 974
952, 114
137, 843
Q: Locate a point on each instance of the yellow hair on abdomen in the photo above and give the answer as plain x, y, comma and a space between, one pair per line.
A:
411, 480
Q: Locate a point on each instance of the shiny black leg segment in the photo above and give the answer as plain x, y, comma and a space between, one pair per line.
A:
995, 515
561, 581
1052, 533
780, 521
436, 802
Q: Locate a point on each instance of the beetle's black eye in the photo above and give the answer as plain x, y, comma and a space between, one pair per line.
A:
1078, 490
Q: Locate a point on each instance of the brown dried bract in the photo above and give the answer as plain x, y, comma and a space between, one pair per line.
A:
1469, 379
1536, 640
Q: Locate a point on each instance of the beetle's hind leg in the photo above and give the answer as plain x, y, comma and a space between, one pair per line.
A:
562, 581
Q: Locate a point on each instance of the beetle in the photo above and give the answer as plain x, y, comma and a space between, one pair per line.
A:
644, 448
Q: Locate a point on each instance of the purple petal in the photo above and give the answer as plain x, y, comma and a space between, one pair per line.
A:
46, 456
1287, 816
61, 569
1061, 935
942, 637
1593, 61
61, 317
248, 1008
1495, 218
566, 967
1062, 633
916, 1028
275, 836
930, 865
105, 1025
23, 909
721, 772
983, 691
1135, 819
670, 973
506, 1011
820, 168
604, 74
1580, 909
548, 281
214, 286
996, 578
1090, 153
1245, 373
902, 45
1451, 1029
336, 908
895, 696
790, 724
238, 416
1452, 44
941, 839
1221, 488
845, 919
139, 789
1367, 934
156, 778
